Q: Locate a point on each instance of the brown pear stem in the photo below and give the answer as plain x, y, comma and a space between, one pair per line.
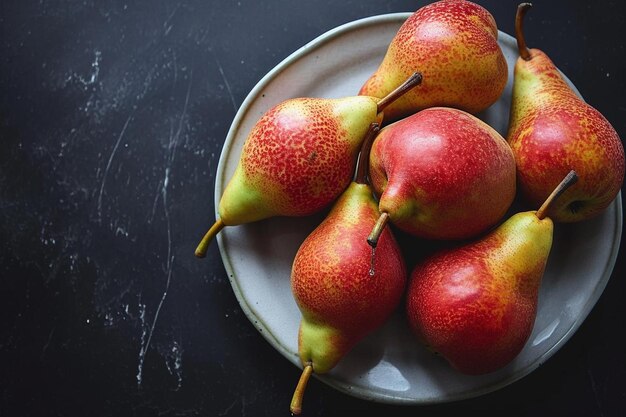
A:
414, 80
524, 52
203, 246
362, 169
296, 401
569, 180
372, 239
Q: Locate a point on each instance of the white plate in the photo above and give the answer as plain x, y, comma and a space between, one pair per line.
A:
390, 366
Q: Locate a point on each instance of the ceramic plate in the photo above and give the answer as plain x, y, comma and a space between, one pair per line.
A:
389, 366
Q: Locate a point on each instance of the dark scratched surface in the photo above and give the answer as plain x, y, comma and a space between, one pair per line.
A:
112, 119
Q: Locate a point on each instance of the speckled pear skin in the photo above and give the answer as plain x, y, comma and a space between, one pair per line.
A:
297, 159
552, 131
476, 304
454, 44
340, 301
442, 174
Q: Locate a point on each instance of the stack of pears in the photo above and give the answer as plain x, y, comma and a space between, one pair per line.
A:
408, 154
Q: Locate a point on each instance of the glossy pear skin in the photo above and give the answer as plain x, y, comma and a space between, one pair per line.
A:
453, 43
551, 131
442, 174
297, 159
476, 305
340, 301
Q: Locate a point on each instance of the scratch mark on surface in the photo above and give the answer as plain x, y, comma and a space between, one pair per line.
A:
205, 34
175, 62
96, 68
227, 410
144, 334
243, 406
170, 261
144, 347
168, 268
47, 344
166, 24
594, 388
230, 92
172, 146
95, 65
174, 142
156, 200
108, 167
175, 369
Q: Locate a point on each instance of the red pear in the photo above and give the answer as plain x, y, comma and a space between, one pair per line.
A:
442, 174
476, 304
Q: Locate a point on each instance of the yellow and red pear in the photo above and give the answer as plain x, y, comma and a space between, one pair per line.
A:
552, 130
343, 290
476, 305
341, 294
454, 44
298, 158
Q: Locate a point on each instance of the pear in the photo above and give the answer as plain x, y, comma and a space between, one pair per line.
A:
476, 304
442, 174
298, 158
552, 130
343, 291
454, 43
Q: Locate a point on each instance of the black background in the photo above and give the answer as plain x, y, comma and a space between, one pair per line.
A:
113, 115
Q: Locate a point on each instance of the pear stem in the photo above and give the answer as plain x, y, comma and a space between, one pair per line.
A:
524, 52
372, 239
203, 246
414, 80
362, 169
296, 401
569, 180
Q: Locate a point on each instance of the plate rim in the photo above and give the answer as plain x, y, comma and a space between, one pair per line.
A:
258, 322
